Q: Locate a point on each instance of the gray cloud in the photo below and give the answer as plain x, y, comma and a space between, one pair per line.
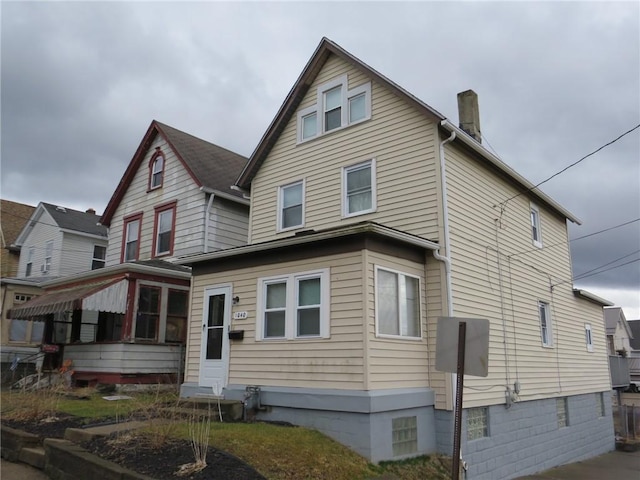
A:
82, 81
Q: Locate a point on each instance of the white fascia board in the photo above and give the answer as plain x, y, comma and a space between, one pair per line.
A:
226, 196
84, 234
592, 297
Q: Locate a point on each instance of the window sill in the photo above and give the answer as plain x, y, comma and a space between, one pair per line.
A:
398, 337
289, 229
358, 214
338, 129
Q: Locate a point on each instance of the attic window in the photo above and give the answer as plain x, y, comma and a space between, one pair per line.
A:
336, 107
156, 170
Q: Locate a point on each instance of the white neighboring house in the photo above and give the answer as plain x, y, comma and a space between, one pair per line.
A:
619, 336
618, 331
634, 353
56, 241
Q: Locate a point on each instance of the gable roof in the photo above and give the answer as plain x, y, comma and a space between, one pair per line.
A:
211, 167
611, 317
67, 219
302, 85
13, 217
634, 326
74, 220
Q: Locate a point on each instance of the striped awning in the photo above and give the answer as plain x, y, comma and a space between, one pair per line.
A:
109, 295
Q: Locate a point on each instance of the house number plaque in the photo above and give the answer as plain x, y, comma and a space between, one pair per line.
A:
240, 315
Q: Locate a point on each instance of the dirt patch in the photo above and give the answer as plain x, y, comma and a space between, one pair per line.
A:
52, 427
137, 453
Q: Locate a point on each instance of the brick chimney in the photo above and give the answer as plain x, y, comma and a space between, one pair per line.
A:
91, 211
469, 114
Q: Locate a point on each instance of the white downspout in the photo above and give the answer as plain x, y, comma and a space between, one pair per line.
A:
445, 214
207, 216
446, 259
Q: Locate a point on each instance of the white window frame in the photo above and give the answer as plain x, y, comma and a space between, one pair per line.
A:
48, 256
281, 190
400, 308
136, 223
345, 200
28, 269
588, 334
159, 215
319, 107
536, 225
546, 329
159, 158
98, 259
291, 304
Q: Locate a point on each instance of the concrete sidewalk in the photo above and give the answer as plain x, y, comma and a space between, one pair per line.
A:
614, 465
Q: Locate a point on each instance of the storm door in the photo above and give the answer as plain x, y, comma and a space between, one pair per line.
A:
214, 352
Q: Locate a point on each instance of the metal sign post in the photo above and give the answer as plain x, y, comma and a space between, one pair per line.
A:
460, 339
457, 426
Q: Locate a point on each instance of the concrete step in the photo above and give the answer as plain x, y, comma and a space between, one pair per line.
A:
33, 456
79, 435
232, 410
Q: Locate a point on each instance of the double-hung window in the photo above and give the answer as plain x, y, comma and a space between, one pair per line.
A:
291, 206
31, 254
48, 254
359, 189
294, 306
336, 107
588, 337
164, 229
131, 238
156, 170
99, 256
397, 304
148, 316
545, 324
536, 231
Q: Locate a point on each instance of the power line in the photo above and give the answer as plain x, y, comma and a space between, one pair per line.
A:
586, 274
572, 165
537, 249
608, 269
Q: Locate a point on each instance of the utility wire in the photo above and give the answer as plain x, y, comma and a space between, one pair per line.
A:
572, 165
586, 274
537, 249
608, 269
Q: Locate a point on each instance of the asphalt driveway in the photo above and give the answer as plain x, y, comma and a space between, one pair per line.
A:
614, 465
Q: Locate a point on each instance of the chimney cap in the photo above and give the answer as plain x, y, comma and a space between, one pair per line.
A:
91, 211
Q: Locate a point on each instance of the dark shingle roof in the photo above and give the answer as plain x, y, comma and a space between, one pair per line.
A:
209, 165
70, 219
214, 167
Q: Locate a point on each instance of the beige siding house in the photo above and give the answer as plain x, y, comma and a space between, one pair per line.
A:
372, 216
127, 322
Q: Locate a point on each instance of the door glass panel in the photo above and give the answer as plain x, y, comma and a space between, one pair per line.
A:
216, 311
215, 327
214, 343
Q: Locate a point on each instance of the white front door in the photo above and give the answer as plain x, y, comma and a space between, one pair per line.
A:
214, 353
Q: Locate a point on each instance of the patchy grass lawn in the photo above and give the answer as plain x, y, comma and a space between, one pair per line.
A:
296, 453
277, 452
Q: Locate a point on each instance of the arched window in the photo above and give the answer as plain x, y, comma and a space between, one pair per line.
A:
156, 170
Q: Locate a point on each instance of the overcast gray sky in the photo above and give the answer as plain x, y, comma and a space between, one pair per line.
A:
81, 82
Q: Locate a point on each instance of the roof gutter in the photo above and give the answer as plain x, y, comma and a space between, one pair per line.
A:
115, 269
226, 196
500, 165
310, 238
593, 298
